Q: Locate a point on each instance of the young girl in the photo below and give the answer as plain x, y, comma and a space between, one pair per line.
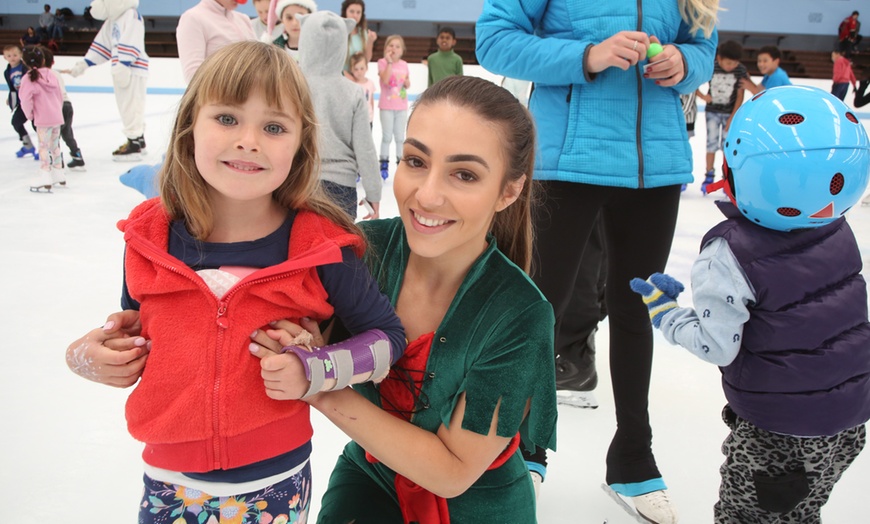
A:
286, 11
393, 103
41, 101
361, 39
437, 440
66, 131
359, 66
240, 236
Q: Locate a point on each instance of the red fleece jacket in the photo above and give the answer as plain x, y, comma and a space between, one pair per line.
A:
201, 404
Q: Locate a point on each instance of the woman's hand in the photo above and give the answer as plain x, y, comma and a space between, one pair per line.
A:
667, 67
623, 50
113, 354
283, 373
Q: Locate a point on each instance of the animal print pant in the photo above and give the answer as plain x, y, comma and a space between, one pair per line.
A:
768, 478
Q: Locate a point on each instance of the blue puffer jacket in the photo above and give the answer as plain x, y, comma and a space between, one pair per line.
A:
616, 129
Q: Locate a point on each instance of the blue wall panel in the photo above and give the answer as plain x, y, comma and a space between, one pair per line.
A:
813, 17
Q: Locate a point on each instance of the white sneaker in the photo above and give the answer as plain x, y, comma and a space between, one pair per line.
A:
537, 480
656, 507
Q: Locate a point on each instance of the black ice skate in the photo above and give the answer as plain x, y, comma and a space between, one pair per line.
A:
132, 151
77, 163
576, 378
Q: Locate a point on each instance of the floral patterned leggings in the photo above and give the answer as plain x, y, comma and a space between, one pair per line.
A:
286, 502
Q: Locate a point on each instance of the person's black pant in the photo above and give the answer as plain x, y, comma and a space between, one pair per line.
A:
862, 96
18, 121
66, 131
638, 227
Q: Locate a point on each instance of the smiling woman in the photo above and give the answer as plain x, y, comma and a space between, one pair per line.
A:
440, 434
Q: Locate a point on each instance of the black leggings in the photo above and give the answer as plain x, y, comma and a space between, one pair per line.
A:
638, 230
862, 96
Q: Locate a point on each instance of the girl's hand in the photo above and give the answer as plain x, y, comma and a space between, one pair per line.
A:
371, 36
407, 82
283, 373
113, 354
706, 98
668, 66
623, 50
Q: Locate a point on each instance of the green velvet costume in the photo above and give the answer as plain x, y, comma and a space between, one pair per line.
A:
495, 342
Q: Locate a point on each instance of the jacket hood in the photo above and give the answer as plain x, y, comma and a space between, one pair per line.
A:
323, 43
111, 9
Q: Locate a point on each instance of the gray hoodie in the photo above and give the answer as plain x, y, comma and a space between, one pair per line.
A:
346, 144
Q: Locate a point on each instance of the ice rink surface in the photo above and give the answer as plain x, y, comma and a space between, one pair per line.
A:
66, 455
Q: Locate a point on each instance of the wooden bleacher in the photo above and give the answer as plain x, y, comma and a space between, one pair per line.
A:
161, 43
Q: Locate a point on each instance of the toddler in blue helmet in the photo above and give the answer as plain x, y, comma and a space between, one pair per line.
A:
781, 306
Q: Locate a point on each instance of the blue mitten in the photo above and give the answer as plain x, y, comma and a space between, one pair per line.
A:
659, 293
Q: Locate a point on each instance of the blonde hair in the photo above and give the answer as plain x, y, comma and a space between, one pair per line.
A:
395, 37
229, 76
356, 58
701, 15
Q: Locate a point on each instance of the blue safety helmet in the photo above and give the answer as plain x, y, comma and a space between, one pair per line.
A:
795, 157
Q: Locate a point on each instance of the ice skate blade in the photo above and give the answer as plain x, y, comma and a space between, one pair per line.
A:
577, 399
628, 508
78, 169
132, 157
41, 189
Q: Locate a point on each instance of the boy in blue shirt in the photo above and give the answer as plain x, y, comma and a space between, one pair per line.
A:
768, 65
14, 72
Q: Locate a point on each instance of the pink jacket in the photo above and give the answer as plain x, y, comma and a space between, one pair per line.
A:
843, 73
205, 28
42, 100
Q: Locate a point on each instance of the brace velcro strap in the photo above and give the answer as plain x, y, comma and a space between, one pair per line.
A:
366, 356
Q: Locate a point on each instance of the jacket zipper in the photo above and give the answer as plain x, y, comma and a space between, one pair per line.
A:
637, 133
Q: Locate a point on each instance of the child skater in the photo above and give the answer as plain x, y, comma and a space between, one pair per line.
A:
781, 306
241, 236
346, 146
393, 103
14, 72
66, 131
42, 103
286, 11
359, 66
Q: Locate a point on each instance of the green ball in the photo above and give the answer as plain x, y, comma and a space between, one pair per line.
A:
653, 50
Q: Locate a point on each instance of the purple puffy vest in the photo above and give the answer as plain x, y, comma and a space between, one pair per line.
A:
804, 364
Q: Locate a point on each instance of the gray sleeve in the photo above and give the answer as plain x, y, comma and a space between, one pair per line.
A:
364, 150
721, 293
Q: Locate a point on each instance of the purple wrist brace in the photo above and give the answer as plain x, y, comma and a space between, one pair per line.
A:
367, 352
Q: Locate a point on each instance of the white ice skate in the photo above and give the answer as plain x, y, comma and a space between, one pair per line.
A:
41, 182
654, 507
58, 178
577, 399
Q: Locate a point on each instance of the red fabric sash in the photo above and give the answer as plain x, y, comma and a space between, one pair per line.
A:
418, 505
